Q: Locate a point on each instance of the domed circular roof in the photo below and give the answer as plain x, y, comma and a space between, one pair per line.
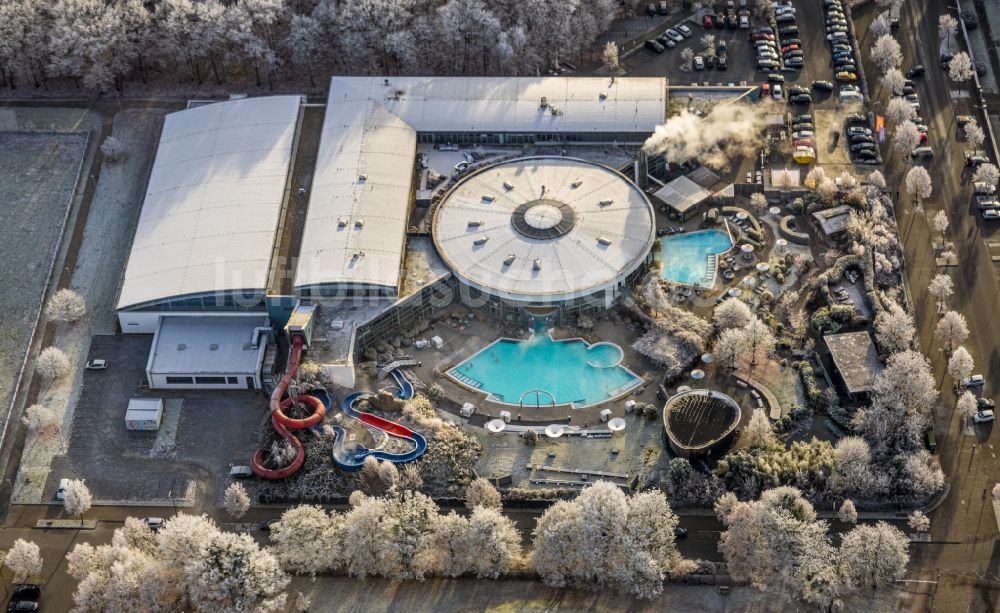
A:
544, 228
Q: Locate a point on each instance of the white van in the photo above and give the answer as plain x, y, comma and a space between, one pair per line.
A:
850, 96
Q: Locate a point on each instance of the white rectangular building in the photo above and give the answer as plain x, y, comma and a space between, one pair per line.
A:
208, 353
144, 414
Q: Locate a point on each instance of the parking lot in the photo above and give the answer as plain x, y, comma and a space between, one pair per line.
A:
201, 435
829, 114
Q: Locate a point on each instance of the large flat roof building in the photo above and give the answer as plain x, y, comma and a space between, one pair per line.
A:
855, 360
356, 225
207, 229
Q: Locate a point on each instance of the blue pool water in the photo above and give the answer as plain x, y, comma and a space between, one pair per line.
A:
684, 257
570, 371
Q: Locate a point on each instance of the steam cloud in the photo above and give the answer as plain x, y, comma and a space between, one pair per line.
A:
729, 130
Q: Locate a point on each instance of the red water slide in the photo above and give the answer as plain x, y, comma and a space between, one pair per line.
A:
282, 423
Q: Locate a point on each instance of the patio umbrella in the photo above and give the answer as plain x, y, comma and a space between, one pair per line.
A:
763, 266
774, 210
741, 215
496, 425
746, 248
735, 292
616, 424
683, 388
781, 242
748, 280
554, 430
707, 358
697, 374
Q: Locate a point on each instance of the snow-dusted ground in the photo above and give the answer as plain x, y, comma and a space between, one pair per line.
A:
107, 236
40, 172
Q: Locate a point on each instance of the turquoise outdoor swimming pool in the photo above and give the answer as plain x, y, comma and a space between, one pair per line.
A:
542, 372
684, 257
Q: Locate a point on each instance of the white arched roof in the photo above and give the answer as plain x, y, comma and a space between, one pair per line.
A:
210, 214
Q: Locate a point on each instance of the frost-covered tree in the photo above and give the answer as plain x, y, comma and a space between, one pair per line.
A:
894, 329
66, 306
960, 68
731, 313
815, 176
24, 559
451, 545
988, 174
731, 348
52, 364
305, 540
893, 80
907, 383
724, 506
610, 63
951, 331
481, 493
847, 513
604, 538
391, 537
494, 543
40, 421
235, 574
941, 286
708, 43
905, 138
918, 522
947, 26
881, 25
918, 183
760, 341
827, 190
899, 110
777, 543
940, 223
78, 499
687, 54
852, 466
966, 405
236, 501
886, 53
974, 135
960, 365
378, 476
873, 555
875, 177
758, 431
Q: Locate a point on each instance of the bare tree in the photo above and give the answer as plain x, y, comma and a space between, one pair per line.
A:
951, 331
886, 53
66, 306
918, 183
960, 68
236, 501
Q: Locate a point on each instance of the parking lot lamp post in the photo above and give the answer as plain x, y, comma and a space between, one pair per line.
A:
170, 495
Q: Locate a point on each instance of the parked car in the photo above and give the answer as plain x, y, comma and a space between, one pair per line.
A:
153, 523
674, 34
776, 91
651, 9
923, 152
975, 160
860, 138
802, 118
986, 403
795, 62
744, 22
785, 18
990, 214
655, 46
680, 533
708, 22
980, 417
984, 188
863, 147
699, 63
836, 36
685, 31
789, 31
801, 99
916, 71
846, 75
61, 490
96, 364
987, 202
973, 381
775, 78
803, 134
823, 85
803, 126
856, 118
26, 591
22, 605
851, 131
265, 526
721, 62
796, 90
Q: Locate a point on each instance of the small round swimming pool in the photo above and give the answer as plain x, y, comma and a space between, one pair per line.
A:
604, 355
691, 258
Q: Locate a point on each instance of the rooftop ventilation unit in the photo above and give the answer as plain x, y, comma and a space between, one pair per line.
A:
507, 261
604, 95
604, 241
544, 103
576, 184
605, 202
537, 265
362, 178
475, 223
359, 223
481, 240
507, 185
341, 222
489, 198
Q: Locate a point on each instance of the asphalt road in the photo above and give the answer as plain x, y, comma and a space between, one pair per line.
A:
964, 528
